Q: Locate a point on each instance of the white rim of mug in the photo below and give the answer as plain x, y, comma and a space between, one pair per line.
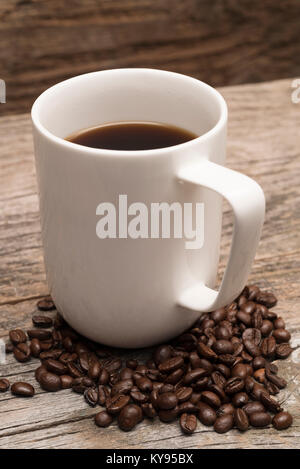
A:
129, 153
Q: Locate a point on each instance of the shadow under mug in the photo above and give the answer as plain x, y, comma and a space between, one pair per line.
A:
138, 292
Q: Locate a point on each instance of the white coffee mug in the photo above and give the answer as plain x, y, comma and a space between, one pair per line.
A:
129, 292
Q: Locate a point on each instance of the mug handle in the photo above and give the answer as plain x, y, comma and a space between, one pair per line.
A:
248, 204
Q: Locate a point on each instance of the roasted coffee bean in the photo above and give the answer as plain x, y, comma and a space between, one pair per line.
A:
224, 423
227, 359
188, 423
148, 410
281, 335
144, 384
218, 391
258, 362
244, 317
260, 375
252, 348
266, 314
267, 299
66, 342
103, 394
246, 357
282, 421
234, 385
253, 407
257, 320
46, 304
240, 370
269, 403
218, 315
126, 373
279, 323
279, 382
129, 417
174, 377
22, 389
237, 349
171, 364
241, 420
283, 351
223, 347
103, 376
205, 351
4, 384
132, 364
167, 400
206, 365
225, 409
168, 416
240, 399
162, 353
268, 346
249, 307
194, 360
195, 397
122, 387
271, 388
194, 375
73, 370
183, 394
221, 368
55, 354
117, 403
253, 291
249, 384
46, 345
94, 370
113, 365
56, 367
50, 382
41, 321
17, 336
260, 419
187, 407
222, 332
103, 419
257, 390
39, 371
139, 397
252, 334
210, 398
206, 414
35, 348
66, 381
22, 352
201, 384
166, 388
91, 396
40, 334
266, 327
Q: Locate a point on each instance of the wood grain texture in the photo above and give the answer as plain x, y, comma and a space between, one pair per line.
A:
222, 42
263, 142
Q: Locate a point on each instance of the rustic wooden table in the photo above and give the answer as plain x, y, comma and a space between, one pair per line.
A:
263, 142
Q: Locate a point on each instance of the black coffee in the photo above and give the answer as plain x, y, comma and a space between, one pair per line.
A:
132, 136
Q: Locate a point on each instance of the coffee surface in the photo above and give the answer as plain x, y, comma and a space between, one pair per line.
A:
131, 136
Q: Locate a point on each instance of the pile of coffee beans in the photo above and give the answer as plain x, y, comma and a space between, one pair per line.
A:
220, 372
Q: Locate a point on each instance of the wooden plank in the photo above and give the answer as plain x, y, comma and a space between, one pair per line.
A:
221, 42
263, 143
